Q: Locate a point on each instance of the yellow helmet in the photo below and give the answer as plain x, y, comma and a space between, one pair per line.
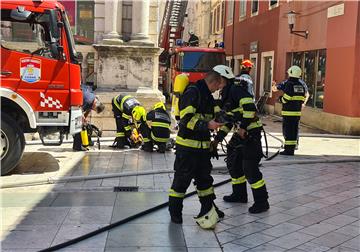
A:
160, 105
139, 112
180, 83
209, 220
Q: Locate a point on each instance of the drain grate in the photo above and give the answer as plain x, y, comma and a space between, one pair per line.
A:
126, 188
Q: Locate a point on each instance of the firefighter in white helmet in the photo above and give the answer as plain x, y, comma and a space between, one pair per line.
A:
295, 94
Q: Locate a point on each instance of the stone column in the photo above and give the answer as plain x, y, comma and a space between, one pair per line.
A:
140, 23
113, 12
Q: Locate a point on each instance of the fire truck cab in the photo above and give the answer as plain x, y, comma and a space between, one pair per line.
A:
40, 76
195, 62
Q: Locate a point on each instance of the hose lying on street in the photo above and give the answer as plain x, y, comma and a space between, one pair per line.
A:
120, 222
128, 174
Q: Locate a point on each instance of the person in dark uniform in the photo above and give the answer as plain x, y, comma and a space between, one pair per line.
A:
244, 150
126, 110
294, 96
193, 39
90, 102
197, 111
158, 132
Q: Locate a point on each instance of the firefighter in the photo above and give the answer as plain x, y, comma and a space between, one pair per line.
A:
126, 109
295, 94
197, 110
244, 150
90, 102
158, 132
193, 39
244, 76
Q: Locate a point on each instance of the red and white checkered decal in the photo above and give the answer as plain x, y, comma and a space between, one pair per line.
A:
49, 102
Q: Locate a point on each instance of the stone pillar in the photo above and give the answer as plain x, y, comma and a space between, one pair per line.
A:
113, 13
140, 23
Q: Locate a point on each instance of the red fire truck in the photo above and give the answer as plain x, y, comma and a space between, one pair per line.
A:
40, 76
193, 61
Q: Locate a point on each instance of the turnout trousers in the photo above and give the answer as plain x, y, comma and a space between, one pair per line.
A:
243, 158
290, 128
188, 166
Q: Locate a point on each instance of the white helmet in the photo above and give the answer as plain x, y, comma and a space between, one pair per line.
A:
209, 220
191, 32
224, 71
294, 71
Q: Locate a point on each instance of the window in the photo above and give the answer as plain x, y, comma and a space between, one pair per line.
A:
230, 11
218, 18
222, 14
268, 73
273, 3
126, 20
313, 64
32, 36
254, 7
320, 79
85, 21
199, 61
242, 7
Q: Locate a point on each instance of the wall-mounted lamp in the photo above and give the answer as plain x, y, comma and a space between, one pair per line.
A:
291, 22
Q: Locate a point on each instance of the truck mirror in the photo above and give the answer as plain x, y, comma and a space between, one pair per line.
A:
20, 14
54, 28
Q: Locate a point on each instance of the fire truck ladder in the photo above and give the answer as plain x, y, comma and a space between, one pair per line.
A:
172, 23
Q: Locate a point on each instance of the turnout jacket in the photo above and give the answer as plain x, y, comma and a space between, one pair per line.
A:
125, 104
197, 108
239, 104
294, 96
160, 125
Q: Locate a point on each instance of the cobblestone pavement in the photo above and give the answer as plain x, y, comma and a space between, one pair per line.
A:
314, 198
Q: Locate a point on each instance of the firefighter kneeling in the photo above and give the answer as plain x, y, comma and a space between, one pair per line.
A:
126, 110
158, 132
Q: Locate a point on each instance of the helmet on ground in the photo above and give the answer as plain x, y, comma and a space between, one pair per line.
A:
209, 220
224, 71
180, 83
160, 105
246, 64
294, 71
138, 112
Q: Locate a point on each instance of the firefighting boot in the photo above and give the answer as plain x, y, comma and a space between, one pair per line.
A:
239, 194
118, 143
288, 151
220, 213
206, 204
148, 147
175, 209
260, 198
161, 148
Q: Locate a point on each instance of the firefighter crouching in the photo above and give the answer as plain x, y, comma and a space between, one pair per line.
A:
295, 94
244, 150
197, 110
158, 132
127, 109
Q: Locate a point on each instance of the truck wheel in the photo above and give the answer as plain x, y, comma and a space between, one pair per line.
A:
12, 144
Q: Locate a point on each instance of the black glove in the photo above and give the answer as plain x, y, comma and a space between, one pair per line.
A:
213, 149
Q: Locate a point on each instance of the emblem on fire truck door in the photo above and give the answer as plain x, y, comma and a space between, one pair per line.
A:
30, 70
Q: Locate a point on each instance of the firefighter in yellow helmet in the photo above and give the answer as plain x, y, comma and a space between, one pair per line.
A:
126, 109
158, 133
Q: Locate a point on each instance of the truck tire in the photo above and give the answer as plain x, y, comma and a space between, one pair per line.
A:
12, 144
